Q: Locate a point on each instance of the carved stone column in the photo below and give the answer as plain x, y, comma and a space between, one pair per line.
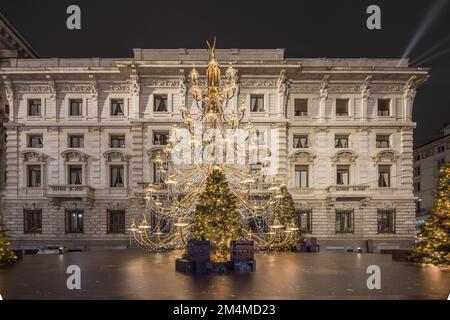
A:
10, 93
409, 92
323, 97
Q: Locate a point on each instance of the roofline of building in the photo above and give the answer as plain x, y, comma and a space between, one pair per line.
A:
18, 37
431, 142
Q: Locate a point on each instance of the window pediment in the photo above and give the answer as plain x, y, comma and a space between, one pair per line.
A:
386, 156
344, 156
302, 156
74, 155
116, 155
33, 156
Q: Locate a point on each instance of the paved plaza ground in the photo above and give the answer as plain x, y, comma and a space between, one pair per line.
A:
133, 274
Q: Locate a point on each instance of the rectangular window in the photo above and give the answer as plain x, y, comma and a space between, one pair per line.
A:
301, 141
75, 107
260, 137
416, 171
157, 178
441, 148
344, 221
34, 176
301, 176
440, 163
116, 176
384, 176
382, 141
117, 107
160, 138
343, 175
384, 106
74, 221
75, 174
386, 221
32, 221
160, 103
304, 221
35, 141
417, 157
117, 141
76, 141
116, 221
257, 103
417, 187
34, 107
342, 107
300, 107
341, 141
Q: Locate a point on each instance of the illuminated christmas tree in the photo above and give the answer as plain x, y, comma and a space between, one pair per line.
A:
285, 212
434, 243
216, 216
6, 254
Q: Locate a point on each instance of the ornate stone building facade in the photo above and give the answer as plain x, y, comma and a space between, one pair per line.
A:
81, 136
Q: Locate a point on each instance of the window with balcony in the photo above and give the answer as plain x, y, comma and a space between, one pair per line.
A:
341, 141
301, 141
76, 141
342, 107
116, 176
158, 174
117, 141
35, 141
301, 176
257, 103
34, 176
160, 103
300, 107
384, 176
343, 175
75, 107
117, 107
160, 138
386, 220
75, 174
384, 106
116, 221
382, 141
304, 220
74, 221
344, 221
32, 220
34, 107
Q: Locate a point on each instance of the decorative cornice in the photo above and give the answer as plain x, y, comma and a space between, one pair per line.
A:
259, 83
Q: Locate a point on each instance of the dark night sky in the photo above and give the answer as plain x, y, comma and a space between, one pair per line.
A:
312, 28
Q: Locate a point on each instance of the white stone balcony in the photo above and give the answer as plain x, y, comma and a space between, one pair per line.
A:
70, 191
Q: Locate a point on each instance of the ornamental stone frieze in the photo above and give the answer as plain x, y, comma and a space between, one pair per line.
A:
259, 83
74, 155
116, 88
116, 155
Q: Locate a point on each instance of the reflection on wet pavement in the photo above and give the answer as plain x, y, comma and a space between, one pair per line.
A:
133, 274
